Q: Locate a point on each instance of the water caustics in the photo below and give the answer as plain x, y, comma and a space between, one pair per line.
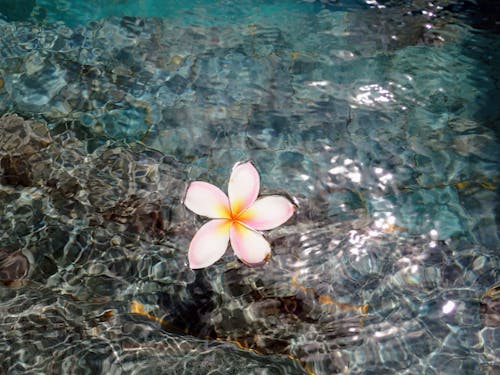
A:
376, 118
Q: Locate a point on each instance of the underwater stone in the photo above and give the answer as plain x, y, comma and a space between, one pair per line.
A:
13, 266
490, 307
22, 138
20, 141
33, 92
177, 84
113, 217
126, 123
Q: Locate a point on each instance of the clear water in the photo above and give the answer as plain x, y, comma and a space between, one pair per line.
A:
379, 118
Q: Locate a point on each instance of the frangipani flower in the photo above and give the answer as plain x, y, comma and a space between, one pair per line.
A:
236, 219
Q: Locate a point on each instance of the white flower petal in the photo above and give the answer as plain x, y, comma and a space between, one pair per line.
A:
209, 243
268, 213
248, 245
243, 187
207, 200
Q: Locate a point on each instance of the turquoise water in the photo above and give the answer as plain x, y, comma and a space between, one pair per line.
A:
378, 118
183, 13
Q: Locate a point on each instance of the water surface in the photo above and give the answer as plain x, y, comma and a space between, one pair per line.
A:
378, 118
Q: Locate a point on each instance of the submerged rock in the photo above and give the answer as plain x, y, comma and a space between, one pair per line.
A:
21, 145
105, 227
117, 183
13, 267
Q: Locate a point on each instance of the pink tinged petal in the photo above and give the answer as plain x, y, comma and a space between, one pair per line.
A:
207, 200
243, 187
249, 245
209, 243
268, 213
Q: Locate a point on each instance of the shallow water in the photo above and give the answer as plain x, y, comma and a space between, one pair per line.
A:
378, 118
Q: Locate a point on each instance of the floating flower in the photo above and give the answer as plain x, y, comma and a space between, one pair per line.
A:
236, 219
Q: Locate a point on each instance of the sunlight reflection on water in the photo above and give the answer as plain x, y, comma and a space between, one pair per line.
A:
380, 131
